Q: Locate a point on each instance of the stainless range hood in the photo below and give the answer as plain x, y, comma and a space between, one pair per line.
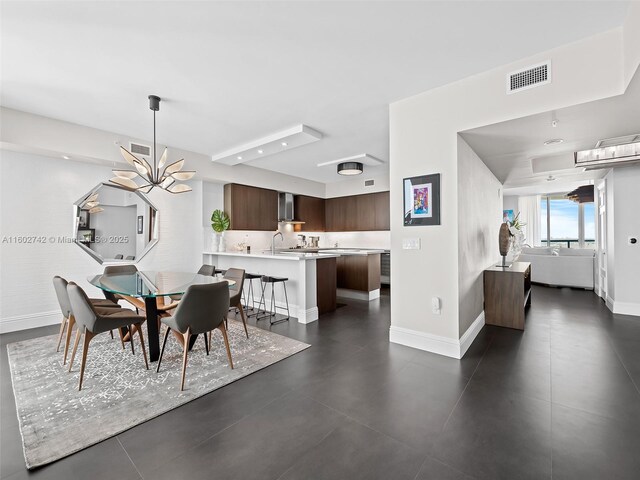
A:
285, 209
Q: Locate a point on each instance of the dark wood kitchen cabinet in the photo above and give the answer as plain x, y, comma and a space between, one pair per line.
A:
251, 208
358, 213
310, 210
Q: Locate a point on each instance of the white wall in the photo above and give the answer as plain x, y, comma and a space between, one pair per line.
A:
510, 202
355, 186
423, 140
624, 221
479, 219
44, 210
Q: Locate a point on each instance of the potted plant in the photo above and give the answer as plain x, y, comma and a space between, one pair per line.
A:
219, 223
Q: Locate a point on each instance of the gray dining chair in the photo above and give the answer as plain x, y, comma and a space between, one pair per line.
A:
92, 322
235, 293
68, 320
203, 308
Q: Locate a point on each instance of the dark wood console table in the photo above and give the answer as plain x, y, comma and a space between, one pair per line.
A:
507, 294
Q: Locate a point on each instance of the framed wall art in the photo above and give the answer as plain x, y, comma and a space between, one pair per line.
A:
422, 200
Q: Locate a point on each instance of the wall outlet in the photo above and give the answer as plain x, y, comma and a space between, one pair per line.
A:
411, 244
435, 305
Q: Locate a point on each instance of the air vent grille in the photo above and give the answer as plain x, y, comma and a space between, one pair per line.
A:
140, 149
529, 77
369, 183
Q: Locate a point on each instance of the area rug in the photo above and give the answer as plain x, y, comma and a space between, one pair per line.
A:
117, 392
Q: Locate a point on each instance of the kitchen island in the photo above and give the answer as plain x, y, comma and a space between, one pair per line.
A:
311, 288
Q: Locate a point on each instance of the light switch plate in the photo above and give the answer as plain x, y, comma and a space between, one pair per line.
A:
411, 244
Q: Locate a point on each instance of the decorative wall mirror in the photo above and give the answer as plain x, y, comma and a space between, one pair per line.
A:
114, 224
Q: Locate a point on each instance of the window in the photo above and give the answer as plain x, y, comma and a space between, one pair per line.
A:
565, 223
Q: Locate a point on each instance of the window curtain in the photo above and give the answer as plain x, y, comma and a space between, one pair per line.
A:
529, 208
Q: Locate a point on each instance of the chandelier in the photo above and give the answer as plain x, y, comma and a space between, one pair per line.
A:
156, 176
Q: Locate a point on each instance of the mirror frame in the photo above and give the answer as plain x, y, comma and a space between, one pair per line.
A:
98, 258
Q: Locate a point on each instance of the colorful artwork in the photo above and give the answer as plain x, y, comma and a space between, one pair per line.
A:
422, 201
507, 216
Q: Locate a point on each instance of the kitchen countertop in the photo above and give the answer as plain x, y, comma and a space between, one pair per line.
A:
279, 255
338, 251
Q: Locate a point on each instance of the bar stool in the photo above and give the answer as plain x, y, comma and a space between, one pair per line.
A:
273, 308
249, 292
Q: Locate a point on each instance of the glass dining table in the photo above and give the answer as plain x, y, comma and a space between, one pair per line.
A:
151, 286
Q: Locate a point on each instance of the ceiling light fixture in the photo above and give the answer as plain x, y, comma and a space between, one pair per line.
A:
284, 144
554, 141
350, 168
66, 157
239, 158
261, 151
550, 178
156, 176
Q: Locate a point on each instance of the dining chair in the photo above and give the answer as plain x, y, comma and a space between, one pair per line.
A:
68, 320
92, 322
235, 293
203, 308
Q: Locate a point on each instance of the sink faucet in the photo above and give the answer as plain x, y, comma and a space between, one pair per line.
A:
273, 242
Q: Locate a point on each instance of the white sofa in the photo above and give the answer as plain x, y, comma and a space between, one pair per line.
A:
563, 267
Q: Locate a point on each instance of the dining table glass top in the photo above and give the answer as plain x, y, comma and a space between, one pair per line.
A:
151, 284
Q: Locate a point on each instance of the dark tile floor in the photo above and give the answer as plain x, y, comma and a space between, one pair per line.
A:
560, 399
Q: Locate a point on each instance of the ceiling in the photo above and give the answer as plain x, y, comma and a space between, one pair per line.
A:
513, 149
233, 72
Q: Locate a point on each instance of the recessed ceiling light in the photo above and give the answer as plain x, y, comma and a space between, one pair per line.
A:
239, 157
554, 141
66, 157
550, 178
284, 144
260, 151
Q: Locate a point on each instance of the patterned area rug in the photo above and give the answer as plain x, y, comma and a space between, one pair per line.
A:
117, 392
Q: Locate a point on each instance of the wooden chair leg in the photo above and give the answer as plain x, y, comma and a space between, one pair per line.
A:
131, 339
187, 337
164, 342
63, 324
71, 321
121, 337
144, 350
223, 329
85, 348
244, 319
75, 348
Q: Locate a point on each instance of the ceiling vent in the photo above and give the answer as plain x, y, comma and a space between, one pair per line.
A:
529, 77
139, 149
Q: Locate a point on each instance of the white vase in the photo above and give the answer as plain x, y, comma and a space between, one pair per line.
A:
214, 242
222, 247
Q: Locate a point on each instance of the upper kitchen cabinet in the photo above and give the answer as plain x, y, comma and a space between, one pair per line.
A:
311, 211
358, 213
251, 208
382, 211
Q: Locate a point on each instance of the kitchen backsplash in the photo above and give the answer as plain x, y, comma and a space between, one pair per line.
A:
260, 241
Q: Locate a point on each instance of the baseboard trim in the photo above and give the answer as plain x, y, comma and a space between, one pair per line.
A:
30, 320
446, 346
308, 316
359, 295
470, 335
626, 308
